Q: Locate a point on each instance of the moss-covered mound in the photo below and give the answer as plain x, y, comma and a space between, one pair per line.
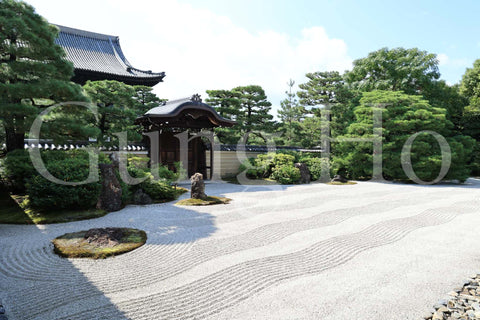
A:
338, 183
208, 201
99, 243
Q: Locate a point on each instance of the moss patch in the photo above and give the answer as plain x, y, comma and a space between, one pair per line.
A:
74, 245
180, 190
16, 209
199, 202
336, 183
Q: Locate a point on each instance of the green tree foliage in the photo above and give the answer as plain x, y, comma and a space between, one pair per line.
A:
440, 94
227, 104
118, 106
145, 99
33, 73
470, 89
291, 114
328, 89
403, 115
255, 116
399, 69
249, 107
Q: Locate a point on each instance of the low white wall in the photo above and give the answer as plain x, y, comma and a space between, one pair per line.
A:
227, 163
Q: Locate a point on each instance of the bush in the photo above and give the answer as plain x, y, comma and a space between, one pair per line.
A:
17, 169
249, 165
315, 166
286, 174
44, 194
158, 190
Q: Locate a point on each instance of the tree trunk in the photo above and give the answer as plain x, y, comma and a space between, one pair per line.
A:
14, 140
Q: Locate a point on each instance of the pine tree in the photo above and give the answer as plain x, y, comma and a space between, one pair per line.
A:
227, 104
291, 113
254, 117
145, 99
33, 71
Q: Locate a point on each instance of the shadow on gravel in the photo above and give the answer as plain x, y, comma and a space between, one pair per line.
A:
37, 284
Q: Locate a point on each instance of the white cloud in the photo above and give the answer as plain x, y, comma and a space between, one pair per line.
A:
200, 50
442, 59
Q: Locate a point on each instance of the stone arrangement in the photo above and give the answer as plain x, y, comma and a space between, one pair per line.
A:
141, 198
339, 178
111, 195
305, 176
463, 303
198, 187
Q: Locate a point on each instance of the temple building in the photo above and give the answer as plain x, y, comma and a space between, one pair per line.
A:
184, 116
97, 56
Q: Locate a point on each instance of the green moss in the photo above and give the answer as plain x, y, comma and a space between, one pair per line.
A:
336, 183
16, 209
73, 245
208, 201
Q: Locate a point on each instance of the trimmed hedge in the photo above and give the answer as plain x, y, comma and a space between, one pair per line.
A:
69, 166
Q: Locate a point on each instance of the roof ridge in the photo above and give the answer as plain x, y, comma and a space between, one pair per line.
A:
84, 33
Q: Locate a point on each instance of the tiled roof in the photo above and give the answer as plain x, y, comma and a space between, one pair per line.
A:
172, 109
101, 54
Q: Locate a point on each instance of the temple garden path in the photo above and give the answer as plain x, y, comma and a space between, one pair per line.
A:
365, 251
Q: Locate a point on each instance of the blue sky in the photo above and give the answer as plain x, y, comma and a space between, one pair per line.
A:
214, 44
442, 27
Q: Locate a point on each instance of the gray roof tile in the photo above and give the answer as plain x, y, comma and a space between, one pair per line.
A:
99, 53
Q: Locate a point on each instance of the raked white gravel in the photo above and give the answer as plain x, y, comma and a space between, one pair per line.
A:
368, 251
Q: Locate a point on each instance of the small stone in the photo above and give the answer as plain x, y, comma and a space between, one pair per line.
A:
442, 302
141, 198
456, 315
451, 304
437, 316
443, 309
476, 306
471, 314
466, 282
453, 293
2, 310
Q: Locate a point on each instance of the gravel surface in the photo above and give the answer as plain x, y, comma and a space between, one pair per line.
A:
365, 251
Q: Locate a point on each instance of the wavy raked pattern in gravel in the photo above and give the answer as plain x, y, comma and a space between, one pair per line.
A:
60, 290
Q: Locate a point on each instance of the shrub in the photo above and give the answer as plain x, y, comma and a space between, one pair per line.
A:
286, 174
17, 168
44, 194
158, 190
315, 166
249, 166
281, 159
138, 162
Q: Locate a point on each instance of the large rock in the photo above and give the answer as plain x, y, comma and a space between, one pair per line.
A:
305, 176
107, 237
111, 194
339, 178
198, 187
140, 197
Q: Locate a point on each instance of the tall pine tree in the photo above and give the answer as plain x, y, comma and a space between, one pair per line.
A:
254, 117
33, 71
291, 114
227, 104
